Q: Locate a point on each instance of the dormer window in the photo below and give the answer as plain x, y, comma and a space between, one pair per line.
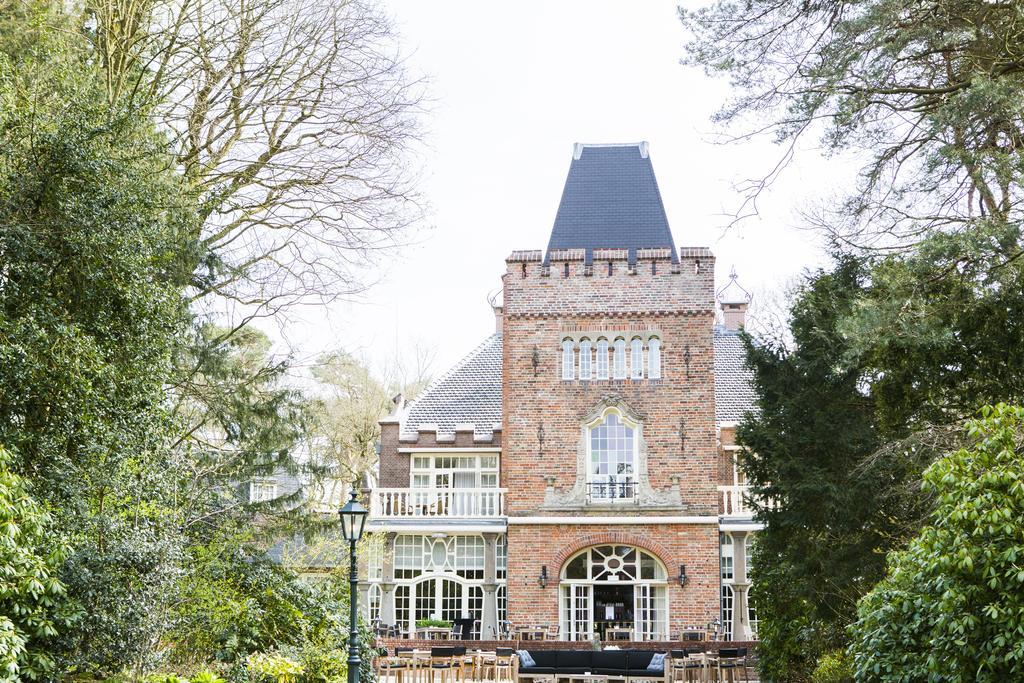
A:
636, 358
262, 490
568, 360
585, 358
612, 446
619, 365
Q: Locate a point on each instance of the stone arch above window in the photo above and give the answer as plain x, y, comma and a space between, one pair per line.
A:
642, 493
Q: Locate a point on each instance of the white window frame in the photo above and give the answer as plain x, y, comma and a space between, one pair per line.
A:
441, 467
636, 358
619, 358
609, 478
262, 490
568, 360
586, 358
654, 358
602, 358
576, 595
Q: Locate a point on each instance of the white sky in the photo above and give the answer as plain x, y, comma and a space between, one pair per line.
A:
514, 85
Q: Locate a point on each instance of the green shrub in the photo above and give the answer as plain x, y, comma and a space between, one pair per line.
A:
274, 668
433, 623
834, 667
206, 677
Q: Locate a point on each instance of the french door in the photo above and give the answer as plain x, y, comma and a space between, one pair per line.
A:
650, 610
448, 599
578, 611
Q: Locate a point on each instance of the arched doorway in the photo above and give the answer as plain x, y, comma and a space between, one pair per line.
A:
613, 586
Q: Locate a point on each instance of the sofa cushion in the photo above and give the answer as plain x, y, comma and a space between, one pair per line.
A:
610, 662
537, 670
640, 659
574, 661
525, 659
545, 658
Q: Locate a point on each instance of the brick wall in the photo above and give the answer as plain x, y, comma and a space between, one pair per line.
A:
532, 547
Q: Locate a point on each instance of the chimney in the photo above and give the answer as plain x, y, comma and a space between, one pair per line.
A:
734, 316
499, 319
734, 301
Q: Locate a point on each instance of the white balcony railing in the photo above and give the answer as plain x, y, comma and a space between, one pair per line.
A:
736, 501
415, 503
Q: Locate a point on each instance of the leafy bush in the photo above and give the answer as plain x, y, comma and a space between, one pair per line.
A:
31, 597
952, 605
275, 668
206, 677
834, 667
433, 623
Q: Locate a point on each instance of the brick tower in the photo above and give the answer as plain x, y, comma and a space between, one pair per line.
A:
609, 412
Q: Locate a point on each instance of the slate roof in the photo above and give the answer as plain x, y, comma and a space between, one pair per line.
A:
611, 201
469, 393
734, 382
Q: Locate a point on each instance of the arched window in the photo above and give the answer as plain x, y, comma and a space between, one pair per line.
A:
727, 599
501, 597
619, 365
585, 358
602, 358
612, 445
727, 557
653, 358
636, 359
568, 360
592, 576
373, 602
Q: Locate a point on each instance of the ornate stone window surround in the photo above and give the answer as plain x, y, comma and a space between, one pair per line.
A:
645, 496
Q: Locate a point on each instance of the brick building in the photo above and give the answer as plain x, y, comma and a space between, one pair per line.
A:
576, 469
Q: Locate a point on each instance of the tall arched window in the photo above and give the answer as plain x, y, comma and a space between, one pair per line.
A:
568, 360
727, 557
373, 602
653, 358
602, 358
501, 597
636, 358
727, 599
612, 446
585, 358
619, 365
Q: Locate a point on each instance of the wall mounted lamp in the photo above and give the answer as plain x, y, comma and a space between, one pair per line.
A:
682, 575
543, 580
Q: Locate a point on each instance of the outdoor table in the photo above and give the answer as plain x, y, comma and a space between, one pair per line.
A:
531, 633
618, 634
434, 633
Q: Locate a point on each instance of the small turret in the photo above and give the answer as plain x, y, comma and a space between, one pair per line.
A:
734, 301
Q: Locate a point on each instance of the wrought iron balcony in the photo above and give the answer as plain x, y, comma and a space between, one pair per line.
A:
611, 490
413, 503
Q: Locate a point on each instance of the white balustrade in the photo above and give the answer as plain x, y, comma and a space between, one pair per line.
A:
411, 503
736, 501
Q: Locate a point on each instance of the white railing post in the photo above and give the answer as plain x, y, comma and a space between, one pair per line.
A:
403, 503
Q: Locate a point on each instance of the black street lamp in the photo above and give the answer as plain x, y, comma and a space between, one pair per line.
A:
353, 519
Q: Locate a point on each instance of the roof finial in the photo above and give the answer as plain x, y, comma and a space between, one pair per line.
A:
733, 292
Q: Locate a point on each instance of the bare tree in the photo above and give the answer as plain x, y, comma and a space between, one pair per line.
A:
292, 121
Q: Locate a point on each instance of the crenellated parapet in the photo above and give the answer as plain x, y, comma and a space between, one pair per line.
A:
611, 283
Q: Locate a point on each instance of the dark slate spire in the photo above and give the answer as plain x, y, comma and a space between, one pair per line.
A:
611, 201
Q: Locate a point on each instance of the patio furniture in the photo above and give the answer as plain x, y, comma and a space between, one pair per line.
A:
448, 662
618, 633
687, 666
727, 664
625, 665
554, 630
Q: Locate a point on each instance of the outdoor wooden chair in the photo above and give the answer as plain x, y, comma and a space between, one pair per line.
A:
727, 664
685, 669
448, 663
554, 630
